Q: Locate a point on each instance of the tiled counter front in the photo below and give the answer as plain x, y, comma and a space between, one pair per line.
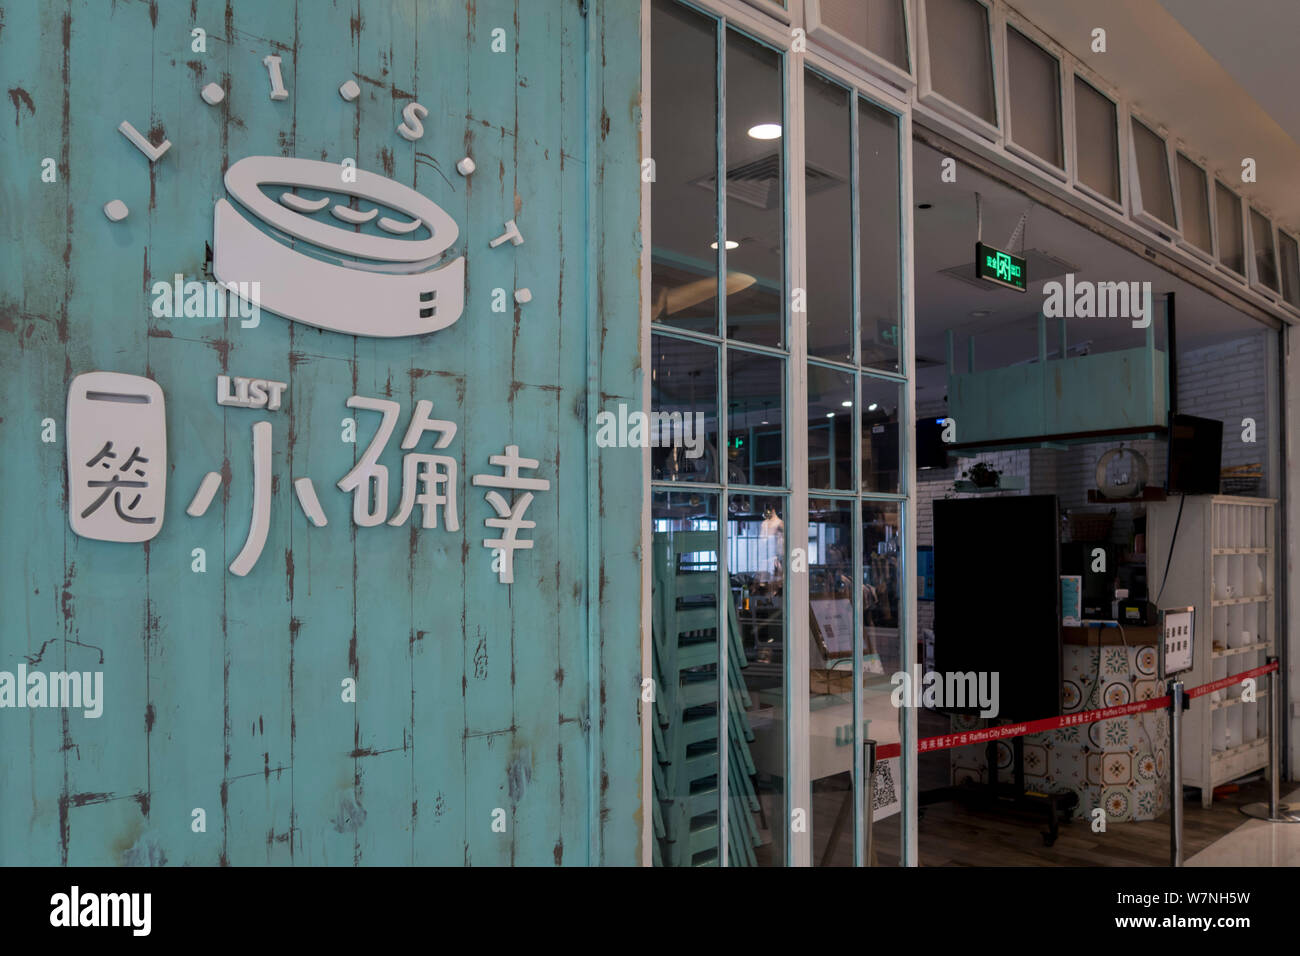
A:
1120, 764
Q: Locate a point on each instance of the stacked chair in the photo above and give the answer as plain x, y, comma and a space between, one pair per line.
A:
686, 710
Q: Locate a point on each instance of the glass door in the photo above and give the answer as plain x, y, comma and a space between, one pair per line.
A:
857, 423
776, 304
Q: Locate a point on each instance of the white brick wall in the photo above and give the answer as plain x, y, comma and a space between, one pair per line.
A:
1227, 382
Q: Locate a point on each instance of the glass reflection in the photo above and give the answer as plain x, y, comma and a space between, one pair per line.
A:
684, 388
1228, 222
881, 441
1153, 173
686, 705
880, 226
1035, 84
830, 428
755, 409
756, 669
827, 161
1261, 234
833, 605
683, 139
882, 657
1097, 136
961, 57
755, 193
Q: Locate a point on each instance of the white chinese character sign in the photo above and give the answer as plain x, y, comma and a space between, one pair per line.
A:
117, 468
330, 246
117, 457
510, 515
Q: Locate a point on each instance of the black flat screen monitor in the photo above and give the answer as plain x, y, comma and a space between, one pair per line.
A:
997, 598
1195, 455
931, 450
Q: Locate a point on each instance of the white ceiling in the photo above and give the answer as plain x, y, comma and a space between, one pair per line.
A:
1255, 41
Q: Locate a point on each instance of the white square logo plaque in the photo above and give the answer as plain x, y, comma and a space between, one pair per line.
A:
117, 456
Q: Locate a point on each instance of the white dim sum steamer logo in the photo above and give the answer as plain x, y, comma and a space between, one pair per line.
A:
332, 276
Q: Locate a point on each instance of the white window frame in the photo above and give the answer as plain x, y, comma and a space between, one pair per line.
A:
838, 44
1065, 95
1251, 268
771, 8
755, 18
1294, 237
1081, 71
1242, 277
928, 96
932, 112
1211, 255
1139, 214
909, 788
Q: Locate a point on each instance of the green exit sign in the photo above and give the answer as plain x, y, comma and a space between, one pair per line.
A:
1000, 267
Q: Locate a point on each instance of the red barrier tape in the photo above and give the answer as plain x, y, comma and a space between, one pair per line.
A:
1235, 678
1007, 731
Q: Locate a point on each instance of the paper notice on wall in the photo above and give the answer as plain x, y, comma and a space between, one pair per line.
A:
885, 798
834, 618
1178, 639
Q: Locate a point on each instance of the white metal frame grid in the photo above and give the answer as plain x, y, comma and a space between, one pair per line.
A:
927, 95
741, 17
1252, 265
1140, 215
933, 110
822, 33
1065, 95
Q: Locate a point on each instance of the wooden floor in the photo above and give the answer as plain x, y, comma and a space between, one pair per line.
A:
952, 835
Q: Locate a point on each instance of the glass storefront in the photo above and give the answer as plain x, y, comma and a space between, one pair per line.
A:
804, 259
772, 364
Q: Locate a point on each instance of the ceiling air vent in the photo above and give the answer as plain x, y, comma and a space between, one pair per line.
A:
758, 182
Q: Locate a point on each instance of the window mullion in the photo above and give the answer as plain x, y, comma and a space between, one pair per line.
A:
908, 736
724, 432
797, 656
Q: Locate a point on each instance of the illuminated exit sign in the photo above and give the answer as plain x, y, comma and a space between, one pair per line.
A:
1000, 267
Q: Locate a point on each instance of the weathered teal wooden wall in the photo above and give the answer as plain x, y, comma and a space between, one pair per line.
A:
223, 693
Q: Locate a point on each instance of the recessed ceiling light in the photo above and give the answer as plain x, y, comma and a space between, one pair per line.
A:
765, 131
731, 244
830, 414
872, 407
847, 404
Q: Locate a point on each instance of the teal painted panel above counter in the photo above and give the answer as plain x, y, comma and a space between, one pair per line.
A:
1080, 397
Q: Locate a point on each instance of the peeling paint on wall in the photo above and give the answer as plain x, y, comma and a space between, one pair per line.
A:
222, 692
